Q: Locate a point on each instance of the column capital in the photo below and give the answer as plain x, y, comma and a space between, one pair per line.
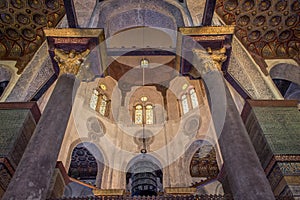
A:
207, 60
70, 62
68, 48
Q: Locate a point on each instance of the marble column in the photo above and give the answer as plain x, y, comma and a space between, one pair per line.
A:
246, 176
34, 172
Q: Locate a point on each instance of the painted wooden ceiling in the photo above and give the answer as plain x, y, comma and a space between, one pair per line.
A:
269, 29
21, 27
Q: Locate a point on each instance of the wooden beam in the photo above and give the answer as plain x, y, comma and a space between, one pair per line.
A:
208, 12
71, 14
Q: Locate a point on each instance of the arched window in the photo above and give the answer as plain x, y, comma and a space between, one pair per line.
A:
99, 101
94, 99
149, 114
194, 99
143, 114
138, 115
185, 104
189, 100
103, 105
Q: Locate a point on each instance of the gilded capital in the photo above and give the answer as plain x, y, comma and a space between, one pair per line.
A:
218, 56
70, 62
209, 60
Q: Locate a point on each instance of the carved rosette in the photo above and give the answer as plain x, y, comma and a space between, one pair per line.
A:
70, 62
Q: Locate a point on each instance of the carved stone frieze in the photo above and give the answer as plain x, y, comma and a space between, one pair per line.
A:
21, 24
268, 29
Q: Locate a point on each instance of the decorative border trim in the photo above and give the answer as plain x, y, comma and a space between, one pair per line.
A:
73, 32
32, 106
281, 158
273, 103
207, 30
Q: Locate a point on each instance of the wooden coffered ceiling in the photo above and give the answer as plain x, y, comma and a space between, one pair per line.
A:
21, 27
269, 29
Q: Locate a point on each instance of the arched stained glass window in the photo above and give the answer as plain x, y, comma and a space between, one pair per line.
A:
94, 99
103, 105
194, 98
99, 102
185, 105
143, 114
149, 114
138, 115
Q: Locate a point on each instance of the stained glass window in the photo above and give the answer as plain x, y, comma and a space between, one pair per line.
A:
149, 114
185, 105
194, 99
138, 115
103, 105
94, 99
144, 63
102, 86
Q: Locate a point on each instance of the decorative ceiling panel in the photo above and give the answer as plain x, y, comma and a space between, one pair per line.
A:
269, 29
21, 27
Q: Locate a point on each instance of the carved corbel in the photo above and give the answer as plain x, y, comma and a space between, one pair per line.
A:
70, 62
208, 60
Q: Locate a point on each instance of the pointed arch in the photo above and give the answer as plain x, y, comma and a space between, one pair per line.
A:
87, 163
144, 176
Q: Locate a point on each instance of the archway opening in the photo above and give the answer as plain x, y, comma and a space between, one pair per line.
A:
85, 165
144, 178
5, 76
3, 85
286, 78
288, 89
